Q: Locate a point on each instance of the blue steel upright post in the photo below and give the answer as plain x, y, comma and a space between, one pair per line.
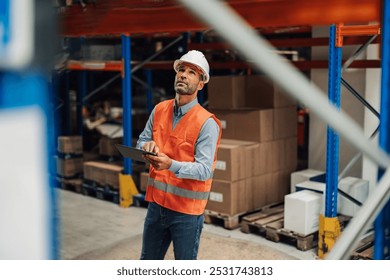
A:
329, 228
127, 186
382, 222
126, 100
81, 93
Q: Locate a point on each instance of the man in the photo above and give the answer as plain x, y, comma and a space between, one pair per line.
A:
185, 137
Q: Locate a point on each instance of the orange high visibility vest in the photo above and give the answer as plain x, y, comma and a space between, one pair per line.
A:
164, 188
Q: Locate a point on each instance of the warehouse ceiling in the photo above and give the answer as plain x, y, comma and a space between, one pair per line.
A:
138, 17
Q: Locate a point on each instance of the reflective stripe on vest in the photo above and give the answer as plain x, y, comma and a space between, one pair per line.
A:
177, 191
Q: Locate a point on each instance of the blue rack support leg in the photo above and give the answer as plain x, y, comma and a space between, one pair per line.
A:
382, 222
329, 227
127, 187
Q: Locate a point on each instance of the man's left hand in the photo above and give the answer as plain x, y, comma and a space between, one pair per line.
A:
159, 162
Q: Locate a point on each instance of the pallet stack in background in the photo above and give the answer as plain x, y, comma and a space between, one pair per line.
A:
69, 161
258, 149
101, 176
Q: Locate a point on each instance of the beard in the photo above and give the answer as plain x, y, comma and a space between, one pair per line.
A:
184, 88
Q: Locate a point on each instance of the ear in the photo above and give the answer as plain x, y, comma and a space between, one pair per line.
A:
200, 85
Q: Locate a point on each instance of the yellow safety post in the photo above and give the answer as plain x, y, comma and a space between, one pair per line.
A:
127, 189
329, 231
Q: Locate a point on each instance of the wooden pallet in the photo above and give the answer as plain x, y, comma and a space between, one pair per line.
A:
70, 184
226, 220
365, 249
270, 223
232, 221
101, 192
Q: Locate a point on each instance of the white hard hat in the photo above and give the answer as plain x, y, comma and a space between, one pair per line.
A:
196, 58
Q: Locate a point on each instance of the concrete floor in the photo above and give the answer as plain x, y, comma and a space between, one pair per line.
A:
94, 229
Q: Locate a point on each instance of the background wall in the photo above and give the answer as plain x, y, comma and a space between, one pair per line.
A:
363, 81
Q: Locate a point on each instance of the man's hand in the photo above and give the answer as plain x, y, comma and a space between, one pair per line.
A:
151, 146
159, 162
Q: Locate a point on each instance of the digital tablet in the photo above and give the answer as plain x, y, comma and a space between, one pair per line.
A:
133, 153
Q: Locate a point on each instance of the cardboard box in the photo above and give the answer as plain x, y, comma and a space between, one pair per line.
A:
111, 175
290, 158
228, 197
70, 144
239, 92
301, 212
302, 176
254, 125
107, 146
144, 176
69, 167
226, 92
248, 125
236, 160
285, 122
259, 186
262, 91
103, 173
227, 122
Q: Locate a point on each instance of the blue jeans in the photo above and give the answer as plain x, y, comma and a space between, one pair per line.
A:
163, 226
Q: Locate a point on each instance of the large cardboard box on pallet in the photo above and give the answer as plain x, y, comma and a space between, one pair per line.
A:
227, 92
247, 125
262, 91
238, 92
69, 167
107, 146
290, 158
259, 186
70, 144
227, 197
285, 122
228, 122
236, 160
103, 173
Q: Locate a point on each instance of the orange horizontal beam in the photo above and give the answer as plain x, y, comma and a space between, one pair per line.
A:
115, 17
95, 65
302, 65
323, 64
295, 42
358, 30
355, 30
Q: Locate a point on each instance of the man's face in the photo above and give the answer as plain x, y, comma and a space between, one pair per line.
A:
188, 79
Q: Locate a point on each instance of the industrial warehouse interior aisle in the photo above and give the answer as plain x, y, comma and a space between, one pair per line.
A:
93, 229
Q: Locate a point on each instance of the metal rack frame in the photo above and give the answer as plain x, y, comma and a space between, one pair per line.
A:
228, 21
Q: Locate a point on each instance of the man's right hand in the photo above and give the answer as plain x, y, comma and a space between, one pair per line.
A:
151, 146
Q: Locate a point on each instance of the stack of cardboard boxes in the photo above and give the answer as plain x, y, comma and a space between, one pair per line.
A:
258, 149
70, 156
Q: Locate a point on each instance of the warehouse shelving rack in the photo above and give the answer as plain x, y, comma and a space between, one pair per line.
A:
329, 229
128, 20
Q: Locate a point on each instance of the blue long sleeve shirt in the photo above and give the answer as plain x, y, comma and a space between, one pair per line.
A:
205, 146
